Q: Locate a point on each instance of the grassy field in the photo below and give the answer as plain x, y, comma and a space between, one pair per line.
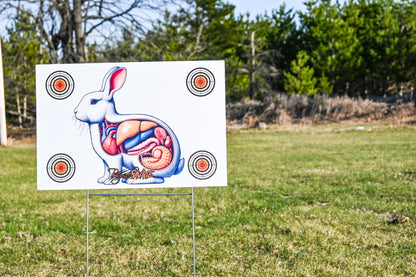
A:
320, 201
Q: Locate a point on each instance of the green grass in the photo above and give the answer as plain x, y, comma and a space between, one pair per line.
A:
323, 201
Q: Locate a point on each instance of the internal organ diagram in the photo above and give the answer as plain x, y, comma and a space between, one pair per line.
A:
145, 139
136, 142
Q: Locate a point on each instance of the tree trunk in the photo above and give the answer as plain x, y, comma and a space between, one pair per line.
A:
252, 64
197, 42
79, 32
65, 33
25, 108
18, 110
3, 128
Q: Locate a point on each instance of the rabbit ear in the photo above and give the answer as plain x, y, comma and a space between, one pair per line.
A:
117, 80
113, 80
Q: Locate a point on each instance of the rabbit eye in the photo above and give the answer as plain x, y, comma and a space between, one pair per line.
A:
94, 101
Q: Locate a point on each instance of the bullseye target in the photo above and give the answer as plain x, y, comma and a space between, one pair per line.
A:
60, 168
200, 81
202, 165
59, 85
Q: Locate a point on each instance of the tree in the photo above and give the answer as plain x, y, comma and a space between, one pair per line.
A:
301, 79
204, 29
386, 31
282, 43
22, 51
65, 25
266, 46
396, 39
332, 42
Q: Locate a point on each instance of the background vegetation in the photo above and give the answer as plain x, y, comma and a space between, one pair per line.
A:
318, 201
355, 47
327, 200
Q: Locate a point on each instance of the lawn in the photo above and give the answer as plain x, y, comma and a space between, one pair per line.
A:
326, 201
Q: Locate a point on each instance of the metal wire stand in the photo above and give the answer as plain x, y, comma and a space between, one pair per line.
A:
144, 194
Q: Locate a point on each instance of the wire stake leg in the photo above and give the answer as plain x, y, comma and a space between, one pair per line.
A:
88, 194
193, 230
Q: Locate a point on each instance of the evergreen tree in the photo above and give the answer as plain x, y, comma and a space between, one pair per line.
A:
300, 79
332, 41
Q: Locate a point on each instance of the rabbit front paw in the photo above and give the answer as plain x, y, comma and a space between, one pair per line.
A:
106, 180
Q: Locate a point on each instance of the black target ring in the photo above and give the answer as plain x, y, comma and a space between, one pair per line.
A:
59, 85
202, 165
200, 82
60, 168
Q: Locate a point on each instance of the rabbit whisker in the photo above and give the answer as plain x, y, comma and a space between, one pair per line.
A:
81, 126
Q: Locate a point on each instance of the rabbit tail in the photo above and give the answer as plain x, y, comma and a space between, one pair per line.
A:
180, 166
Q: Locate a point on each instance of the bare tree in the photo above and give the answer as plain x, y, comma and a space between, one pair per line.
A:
65, 25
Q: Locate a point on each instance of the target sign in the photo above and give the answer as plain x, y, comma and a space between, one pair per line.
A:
200, 82
202, 165
130, 125
60, 168
59, 85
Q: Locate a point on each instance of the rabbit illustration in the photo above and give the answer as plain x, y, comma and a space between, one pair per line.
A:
136, 148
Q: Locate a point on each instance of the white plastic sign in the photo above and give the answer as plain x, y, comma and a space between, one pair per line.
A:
131, 125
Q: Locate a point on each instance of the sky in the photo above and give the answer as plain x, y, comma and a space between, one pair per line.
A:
259, 6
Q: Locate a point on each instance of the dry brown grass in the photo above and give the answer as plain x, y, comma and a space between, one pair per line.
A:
282, 109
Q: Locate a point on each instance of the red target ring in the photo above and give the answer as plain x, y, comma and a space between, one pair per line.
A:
202, 165
200, 82
60, 168
59, 85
